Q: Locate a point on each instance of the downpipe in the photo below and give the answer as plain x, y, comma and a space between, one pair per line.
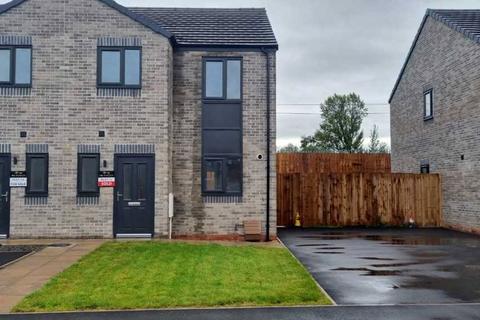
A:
267, 218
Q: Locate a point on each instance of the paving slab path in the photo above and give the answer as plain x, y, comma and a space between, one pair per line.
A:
29, 274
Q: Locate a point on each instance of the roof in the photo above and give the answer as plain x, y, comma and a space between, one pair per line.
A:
466, 22
143, 20
246, 27
199, 27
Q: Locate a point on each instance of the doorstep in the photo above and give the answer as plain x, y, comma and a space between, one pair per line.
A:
30, 273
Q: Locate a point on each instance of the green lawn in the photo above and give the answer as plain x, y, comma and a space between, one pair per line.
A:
137, 275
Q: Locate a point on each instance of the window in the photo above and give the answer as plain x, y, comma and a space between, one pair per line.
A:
428, 104
222, 127
223, 176
222, 79
425, 168
15, 66
119, 67
213, 175
87, 174
37, 175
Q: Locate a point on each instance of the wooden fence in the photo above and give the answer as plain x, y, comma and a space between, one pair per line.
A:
332, 163
358, 199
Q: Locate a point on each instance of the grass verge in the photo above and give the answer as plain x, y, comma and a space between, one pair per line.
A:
144, 275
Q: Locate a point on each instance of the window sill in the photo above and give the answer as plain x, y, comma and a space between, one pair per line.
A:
118, 92
16, 86
221, 194
222, 198
221, 101
118, 87
36, 196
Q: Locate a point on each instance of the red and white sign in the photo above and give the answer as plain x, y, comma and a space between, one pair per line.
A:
106, 182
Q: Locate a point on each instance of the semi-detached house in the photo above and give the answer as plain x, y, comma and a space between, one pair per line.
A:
150, 102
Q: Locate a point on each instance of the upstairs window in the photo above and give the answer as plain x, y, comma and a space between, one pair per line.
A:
119, 67
428, 104
87, 174
222, 123
222, 80
15, 66
37, 175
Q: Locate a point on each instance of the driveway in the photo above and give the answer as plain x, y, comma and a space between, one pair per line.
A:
390, 266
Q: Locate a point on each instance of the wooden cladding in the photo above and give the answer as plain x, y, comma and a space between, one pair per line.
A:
332, 163
359, 199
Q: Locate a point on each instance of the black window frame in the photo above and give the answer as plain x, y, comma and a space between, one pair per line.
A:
121, 84
223, 190
28, 191
224, 98
425, 168
425, 93
80, 192
13, 66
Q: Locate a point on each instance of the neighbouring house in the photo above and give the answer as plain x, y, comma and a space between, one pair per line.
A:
107, 111
435, 121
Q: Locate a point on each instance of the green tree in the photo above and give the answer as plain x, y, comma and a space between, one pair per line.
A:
340, 130
376, 146
290, 148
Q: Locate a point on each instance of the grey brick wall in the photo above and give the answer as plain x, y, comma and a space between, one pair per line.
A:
193, 215
450, 64
63, 110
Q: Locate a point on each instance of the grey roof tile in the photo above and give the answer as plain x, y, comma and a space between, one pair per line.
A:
463, 21
245, 27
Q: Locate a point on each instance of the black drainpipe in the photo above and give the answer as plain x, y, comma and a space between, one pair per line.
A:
267, 224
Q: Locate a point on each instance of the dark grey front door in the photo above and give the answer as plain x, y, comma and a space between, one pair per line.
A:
4, 195
134, 195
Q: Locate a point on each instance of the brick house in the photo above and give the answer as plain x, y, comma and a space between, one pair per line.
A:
435, 124
107, 111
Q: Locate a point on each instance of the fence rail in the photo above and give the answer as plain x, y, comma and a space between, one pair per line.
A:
359, 199
333, 163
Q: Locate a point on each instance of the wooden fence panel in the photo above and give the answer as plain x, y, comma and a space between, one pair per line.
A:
333, 163
359, 199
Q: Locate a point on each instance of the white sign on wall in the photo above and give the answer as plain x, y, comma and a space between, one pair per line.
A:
18, 182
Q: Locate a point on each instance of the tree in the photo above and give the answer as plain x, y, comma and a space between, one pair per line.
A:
376, 146
340, 130
290, 148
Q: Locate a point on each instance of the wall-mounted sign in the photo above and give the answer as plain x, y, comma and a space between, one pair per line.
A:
106, 179
18, 179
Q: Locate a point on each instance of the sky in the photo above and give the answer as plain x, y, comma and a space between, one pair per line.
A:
333, 46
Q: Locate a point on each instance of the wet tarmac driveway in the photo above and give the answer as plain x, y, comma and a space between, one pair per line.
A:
390, 266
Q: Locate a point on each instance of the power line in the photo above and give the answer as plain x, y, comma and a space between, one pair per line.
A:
318, 104
318, 113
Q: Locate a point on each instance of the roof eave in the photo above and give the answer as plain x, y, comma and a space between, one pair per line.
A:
9, 5
140, 19
434, 15
410, 52
271, 47
124, 10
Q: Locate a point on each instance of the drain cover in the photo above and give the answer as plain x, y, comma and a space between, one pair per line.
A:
59, 245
